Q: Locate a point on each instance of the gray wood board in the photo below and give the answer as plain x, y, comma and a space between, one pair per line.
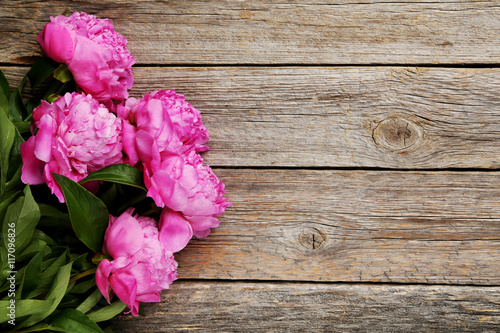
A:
291, 307
388, 117
267, 32
353, 226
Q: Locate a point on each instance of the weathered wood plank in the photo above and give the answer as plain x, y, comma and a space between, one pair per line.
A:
355, 226
306, 307
387, 117
257, 32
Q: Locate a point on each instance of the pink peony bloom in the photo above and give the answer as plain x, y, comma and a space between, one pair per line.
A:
76, 135
183, 184
161, 123
95, 54
140, 268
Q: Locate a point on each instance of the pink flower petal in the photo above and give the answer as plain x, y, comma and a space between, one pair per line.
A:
32, 170
125, 287
101, 277
124, 237
175, 230
173, 194
56, 43
43, 142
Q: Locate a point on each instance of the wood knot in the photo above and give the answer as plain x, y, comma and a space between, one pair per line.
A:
397, 133
312, 238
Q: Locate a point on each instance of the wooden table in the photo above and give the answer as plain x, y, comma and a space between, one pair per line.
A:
359, 141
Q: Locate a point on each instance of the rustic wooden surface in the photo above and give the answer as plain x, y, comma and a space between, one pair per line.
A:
358, 140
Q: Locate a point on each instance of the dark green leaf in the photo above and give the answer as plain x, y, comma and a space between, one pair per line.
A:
56, 252
70, 300
24, 307
118, 173
83, 287
107, 312
55, 295
53, 91
38, 234
88, 227
4, 85
22, 216
32, 249
43, 328
30, 105
32, 275
4, 94
17, 109
23, 126
74, 321
40, 71
90, 301
79, 261
48, 275
52, 217
15, 160
63, 74
7, 136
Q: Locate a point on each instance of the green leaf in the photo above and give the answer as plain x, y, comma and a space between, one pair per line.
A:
70, 300
23, 126
74, 321
90, 301
17, 109
107, 312
4, 94
43, 328
118, 173
83, 287
48, 275
22, 217
38, 234
55, 294
24, 307
40, 71
4, 85
79, 261
5, 202
52, 217
15, 160
7, 136
37, 245
63, 74
89, 215
32, 275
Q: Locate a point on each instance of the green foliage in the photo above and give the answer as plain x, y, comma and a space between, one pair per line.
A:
52, 243
63, 74
72, 320
89, 228
118, 173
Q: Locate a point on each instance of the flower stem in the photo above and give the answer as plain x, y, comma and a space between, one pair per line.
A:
83, 274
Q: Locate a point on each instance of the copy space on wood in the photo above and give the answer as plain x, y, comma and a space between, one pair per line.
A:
306, 307
389, 117
266, 32
355, 226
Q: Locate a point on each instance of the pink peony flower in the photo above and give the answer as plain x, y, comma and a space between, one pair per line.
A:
184, 184
140, 268
76, 135
95, 54
161, 123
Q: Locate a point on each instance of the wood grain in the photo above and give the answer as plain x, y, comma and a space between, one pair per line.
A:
353, 226
387, 117
288, 32
305, 307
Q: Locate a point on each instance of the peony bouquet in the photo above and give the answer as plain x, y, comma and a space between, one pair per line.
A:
97, 190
